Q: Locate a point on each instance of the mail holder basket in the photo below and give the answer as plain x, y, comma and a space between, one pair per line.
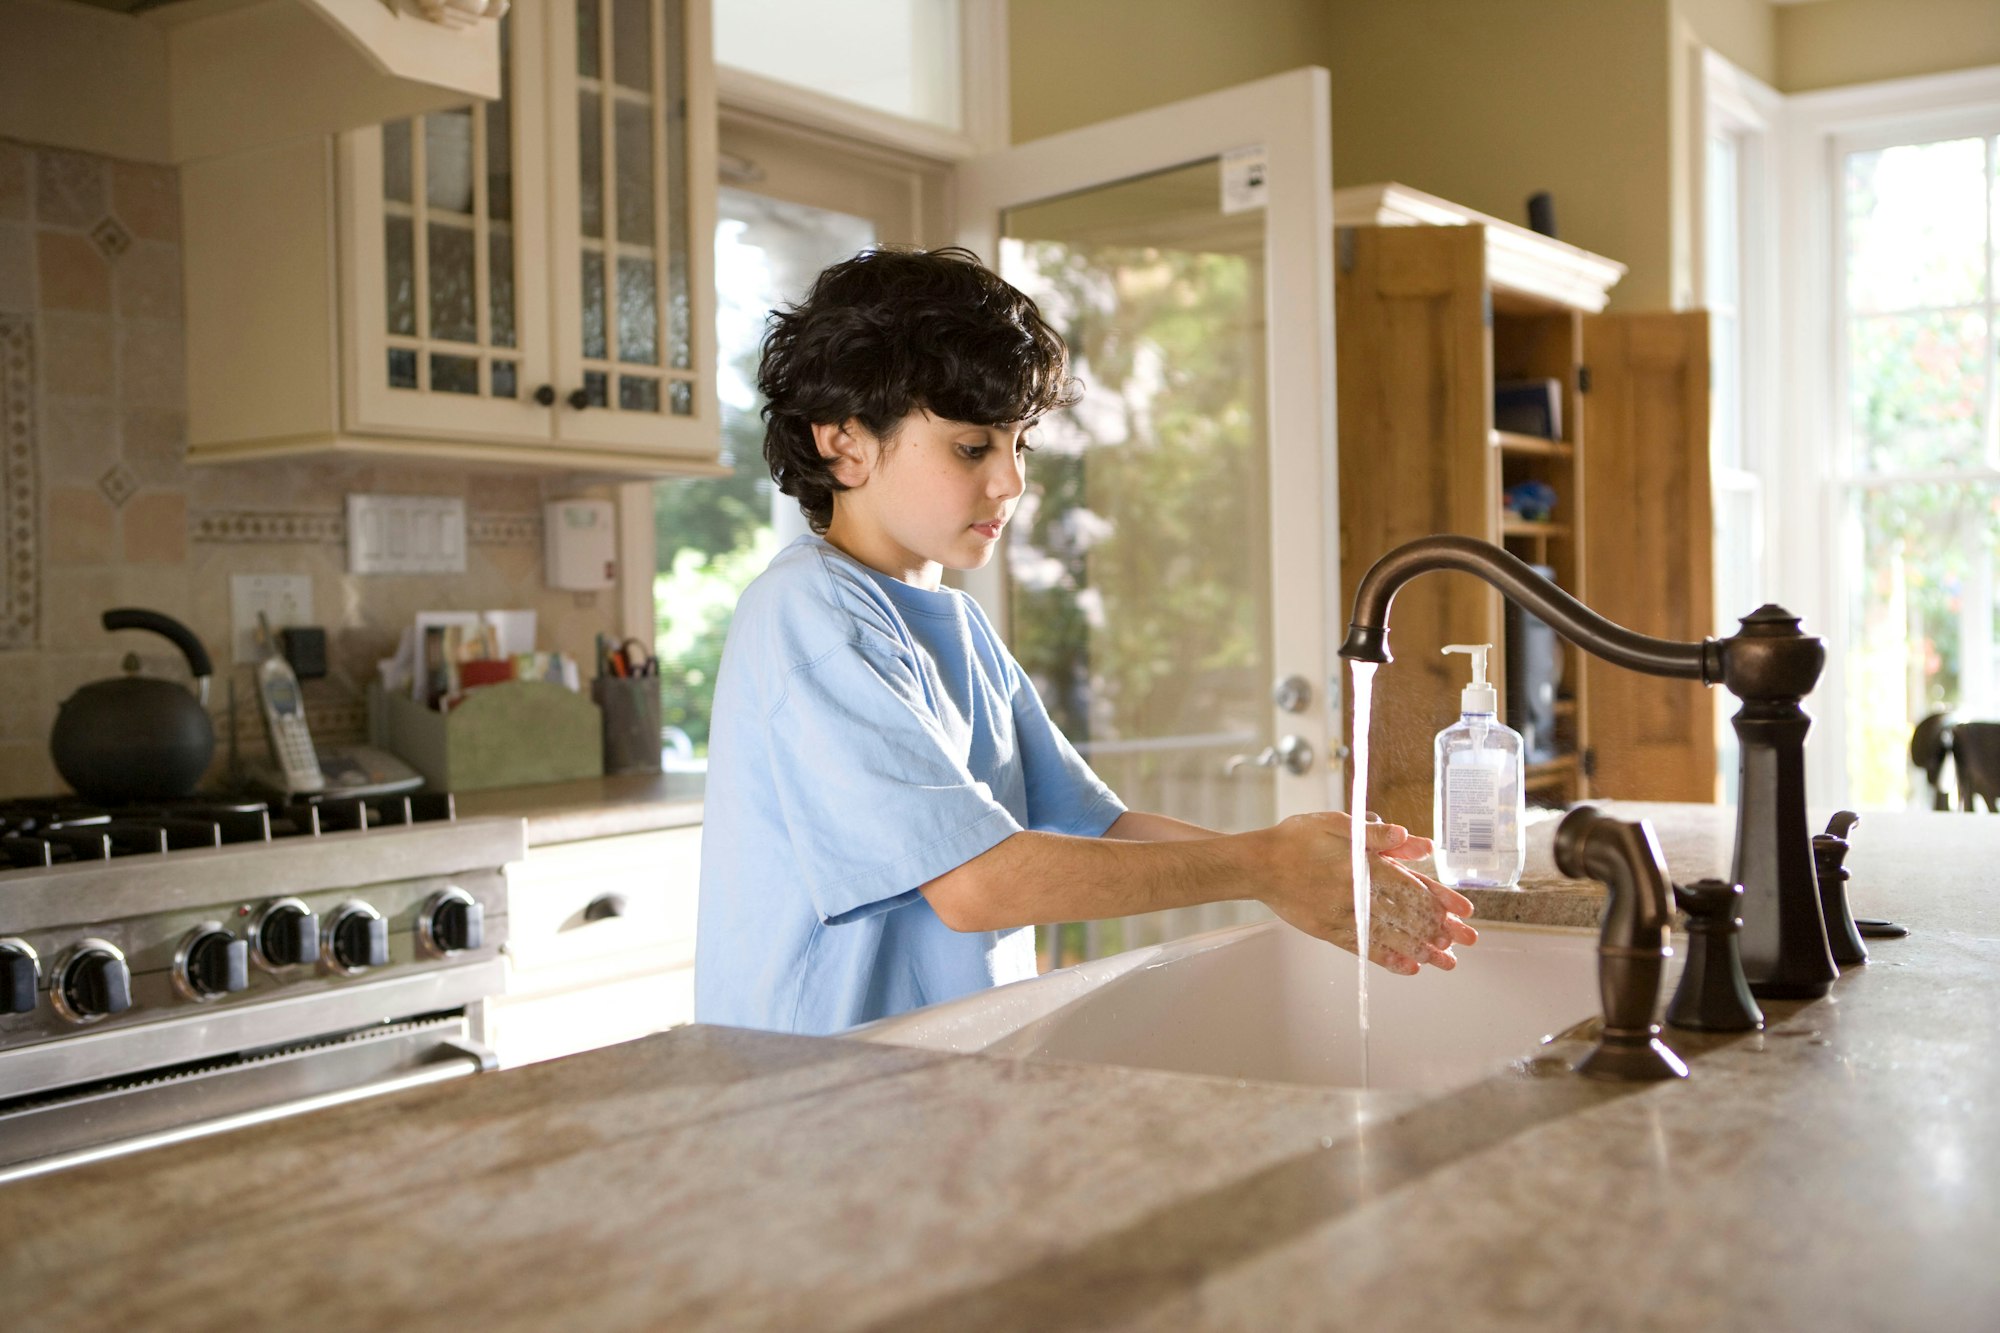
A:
631, 706
517, 734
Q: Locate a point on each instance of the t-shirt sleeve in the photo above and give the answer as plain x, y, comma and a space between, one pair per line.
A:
874, 799
1064, 796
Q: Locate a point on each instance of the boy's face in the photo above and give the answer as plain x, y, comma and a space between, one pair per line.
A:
936, 495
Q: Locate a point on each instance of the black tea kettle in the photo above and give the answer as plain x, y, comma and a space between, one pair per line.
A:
137, 738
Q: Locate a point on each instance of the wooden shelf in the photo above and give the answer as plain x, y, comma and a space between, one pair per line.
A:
1521, 527
1550, 774
1532, 446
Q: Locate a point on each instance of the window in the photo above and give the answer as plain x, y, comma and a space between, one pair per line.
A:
1738, 280
1918, 468
713, 535
899, 56
924, 76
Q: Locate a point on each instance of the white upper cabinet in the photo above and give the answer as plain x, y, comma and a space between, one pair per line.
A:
524, 281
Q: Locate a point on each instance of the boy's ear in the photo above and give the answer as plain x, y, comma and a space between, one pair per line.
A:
846, 448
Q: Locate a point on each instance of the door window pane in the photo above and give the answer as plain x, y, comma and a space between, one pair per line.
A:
638, 313
634, 130
632, 44
448, 160
500, 286
590, 163
587, 38
400, 273
593, 304
716, 534
396, 161
454, 374
638, 393
454, 304
1139, 557
899, 56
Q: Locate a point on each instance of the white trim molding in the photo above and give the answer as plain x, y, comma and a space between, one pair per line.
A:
1817, 129
983, 66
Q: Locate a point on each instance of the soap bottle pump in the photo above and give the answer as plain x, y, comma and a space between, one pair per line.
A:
1479, 802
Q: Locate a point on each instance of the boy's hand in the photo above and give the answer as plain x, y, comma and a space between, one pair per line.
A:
1309, 883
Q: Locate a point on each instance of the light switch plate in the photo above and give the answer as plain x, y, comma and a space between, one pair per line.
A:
285, 599
405, 534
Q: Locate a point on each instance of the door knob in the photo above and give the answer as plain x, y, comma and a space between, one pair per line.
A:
1294, 754
1294, 694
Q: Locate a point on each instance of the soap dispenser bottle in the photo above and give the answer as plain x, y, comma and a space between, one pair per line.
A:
1479, 803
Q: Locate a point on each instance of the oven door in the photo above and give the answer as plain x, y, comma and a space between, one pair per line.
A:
71, 1126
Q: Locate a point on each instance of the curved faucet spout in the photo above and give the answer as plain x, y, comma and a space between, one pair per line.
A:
1368, 632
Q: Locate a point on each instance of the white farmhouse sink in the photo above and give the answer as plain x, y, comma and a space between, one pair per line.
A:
1270, 1003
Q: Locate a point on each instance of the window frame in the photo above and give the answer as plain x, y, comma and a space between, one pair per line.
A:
1818, 129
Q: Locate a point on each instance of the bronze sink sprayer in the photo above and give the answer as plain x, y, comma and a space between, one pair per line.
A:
1768, 664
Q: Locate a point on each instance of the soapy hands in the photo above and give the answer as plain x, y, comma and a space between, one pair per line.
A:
1414, 920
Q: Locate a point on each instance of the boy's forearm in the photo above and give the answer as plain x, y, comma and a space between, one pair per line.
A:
1041, 878
1142, 826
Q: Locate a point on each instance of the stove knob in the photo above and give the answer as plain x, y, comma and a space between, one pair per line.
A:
287, 933
452, 921
19, 971
213, 962
357, 937
92, 982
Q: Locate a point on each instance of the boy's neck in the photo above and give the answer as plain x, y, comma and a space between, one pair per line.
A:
875, 550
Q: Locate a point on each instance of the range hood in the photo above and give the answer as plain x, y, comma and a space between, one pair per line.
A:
182, 80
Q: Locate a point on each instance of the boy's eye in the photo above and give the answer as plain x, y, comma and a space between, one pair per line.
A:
1023, 447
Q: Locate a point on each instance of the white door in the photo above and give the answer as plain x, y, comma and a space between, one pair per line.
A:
1175, 557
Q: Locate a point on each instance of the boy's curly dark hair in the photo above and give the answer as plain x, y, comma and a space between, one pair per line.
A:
888, 332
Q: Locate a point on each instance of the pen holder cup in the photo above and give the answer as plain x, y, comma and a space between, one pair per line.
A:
631, 706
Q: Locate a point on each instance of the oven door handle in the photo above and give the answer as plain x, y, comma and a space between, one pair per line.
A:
451, 1059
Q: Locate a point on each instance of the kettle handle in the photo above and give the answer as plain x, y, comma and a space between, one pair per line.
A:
129, 617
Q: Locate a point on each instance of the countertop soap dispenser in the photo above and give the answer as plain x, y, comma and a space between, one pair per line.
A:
1479, 803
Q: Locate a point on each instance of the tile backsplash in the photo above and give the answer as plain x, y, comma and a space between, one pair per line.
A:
98, 507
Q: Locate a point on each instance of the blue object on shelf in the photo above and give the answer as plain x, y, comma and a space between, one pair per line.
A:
1531, 501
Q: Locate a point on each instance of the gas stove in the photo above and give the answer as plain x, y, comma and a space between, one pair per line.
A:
175, 969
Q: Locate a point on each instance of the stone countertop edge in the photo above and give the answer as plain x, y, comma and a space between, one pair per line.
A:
586, 808
1839, 1170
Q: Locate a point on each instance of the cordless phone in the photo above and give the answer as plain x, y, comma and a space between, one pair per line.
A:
285, 724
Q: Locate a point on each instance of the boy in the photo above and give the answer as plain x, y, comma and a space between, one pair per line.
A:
890, 810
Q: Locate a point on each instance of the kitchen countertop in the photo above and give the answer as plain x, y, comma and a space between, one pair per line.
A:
1839, 1170
594, 807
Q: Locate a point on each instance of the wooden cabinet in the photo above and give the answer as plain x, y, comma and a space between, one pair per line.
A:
1433, 305
600, 944
526, 281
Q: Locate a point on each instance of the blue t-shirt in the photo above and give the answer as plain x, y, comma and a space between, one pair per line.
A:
868, 736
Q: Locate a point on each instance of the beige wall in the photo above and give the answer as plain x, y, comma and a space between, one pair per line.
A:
1486, 101
1833, 42
1074, 62
1482, 101
1743, 32
103, 510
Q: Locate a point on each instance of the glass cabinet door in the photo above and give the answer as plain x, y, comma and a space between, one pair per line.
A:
632, 126
449, 326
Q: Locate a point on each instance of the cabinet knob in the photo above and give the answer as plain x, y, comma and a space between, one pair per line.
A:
579, 399
546, 395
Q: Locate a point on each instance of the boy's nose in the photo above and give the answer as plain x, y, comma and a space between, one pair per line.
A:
1009, 479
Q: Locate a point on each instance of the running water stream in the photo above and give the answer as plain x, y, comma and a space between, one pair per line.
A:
1357, 814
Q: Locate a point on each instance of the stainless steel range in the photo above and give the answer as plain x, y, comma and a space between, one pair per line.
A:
183, 969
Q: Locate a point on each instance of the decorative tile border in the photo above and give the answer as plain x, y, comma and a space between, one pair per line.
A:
503, 529
265, 526
20, 491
